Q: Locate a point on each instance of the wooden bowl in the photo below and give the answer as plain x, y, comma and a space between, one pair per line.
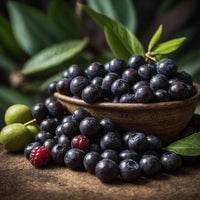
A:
165, 120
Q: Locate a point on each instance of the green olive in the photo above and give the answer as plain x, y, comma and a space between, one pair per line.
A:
33, 129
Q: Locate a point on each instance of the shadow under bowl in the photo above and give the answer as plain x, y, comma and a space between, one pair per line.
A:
165, 120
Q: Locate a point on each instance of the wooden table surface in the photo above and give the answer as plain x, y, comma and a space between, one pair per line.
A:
20, 180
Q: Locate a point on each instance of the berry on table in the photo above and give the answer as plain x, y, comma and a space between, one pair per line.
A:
29, 148
80, 142
111, 154
129, 154
70, 129
42, 136
107, 125
49, 143
64, 141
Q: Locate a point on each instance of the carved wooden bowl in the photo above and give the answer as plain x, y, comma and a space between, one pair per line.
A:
165, 120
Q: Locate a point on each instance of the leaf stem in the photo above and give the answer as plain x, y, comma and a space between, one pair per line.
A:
148, 56
30, 122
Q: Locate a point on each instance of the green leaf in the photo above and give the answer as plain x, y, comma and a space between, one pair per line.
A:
115, 32
32, 29
188, 146
168, 47
122, 11
7, 64
11, 96
155, 38
65, 19
53, 56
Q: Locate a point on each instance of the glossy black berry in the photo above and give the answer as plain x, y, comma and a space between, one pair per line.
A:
74, 158
150, 165
161, 96
126, 137
159, 81
117, 65
107, 66
96, 69
97, 81
89, 127
131, 76
185, 77
144, 94
29, 148
191, 90
79, 114
129, 170
139, 84
48, 100
174, 80
111, 140
52, 87
63, 86
111, 154
115, 99
128, 154
78, 84
167, 67
154, 143
74, 71
91, 93
136, 61
170, 161
120, 87
65, 74
58, 130
107, 125
146, 71
90, 161
49, 143
55, 109
42, 136
95, 148
49, 125
64, 141
39, 112
106, 170
70, 129
178, 91
67, 118
57, 153
127, 98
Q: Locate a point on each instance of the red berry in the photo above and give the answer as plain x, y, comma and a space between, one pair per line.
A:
39, 156
80, 142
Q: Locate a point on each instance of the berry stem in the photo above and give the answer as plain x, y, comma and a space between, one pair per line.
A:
30, 122
148, 56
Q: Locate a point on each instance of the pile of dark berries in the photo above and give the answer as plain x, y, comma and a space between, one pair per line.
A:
80, 141
137, 82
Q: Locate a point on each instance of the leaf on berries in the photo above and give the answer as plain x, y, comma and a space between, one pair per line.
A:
155, 38
188, 146
53, 56
168, 47
121, 40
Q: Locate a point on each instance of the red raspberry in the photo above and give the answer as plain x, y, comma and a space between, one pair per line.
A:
39, 156
80, 142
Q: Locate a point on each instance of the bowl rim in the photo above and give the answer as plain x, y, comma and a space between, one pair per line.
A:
135, 106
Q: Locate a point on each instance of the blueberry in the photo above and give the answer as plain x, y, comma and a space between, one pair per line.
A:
39, 112
159, 81
151, 153
74, 158
42, 136
89, 127
131, 76
150, 165
57, 153
52, 87
111, 140
70, 129
120, 87
117, 65
161, 96
63, 86
96, 69
138, 142
79, 114
167, 67
107, 125
154, 143
115, 99
65, 73
74, 71
139, 84
170, 161
111, 154
146, 71
95, 148
136, 61
174, 80
64, 141
128, 154
106, 170
127, 98
108, 81
48, 100
67, 118
91, 93
191, 90
78, 84
55, 109
90, 161
49, 125
144, 94
129, 170
178, 91
29, 148
107, 66
126, 137
187, 78
97, 81
49, 143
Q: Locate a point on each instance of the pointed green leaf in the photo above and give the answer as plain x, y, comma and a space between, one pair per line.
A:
65, 19
155, 38
7, 64
53, 56
122, 11
188, 146
32, 29
116, 32
168, 47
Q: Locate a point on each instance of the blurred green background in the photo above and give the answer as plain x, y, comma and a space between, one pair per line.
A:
32, 31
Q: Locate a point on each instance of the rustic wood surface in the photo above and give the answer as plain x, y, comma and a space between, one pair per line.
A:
19, 180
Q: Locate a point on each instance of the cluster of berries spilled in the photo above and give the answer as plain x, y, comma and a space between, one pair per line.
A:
81, 141
137, 82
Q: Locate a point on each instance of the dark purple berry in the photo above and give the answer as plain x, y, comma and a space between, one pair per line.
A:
174, 80
159, 81
107, 125
70, 129
178, 91
144, 94
191, 90
111, 154
65, 74
64, 141
79, 114
136, 61
128, 154
97, 81
74, 71
146, 71
115, 99
107, 66
39, 112
67, 118
154, 143
139, 84
117, 65
49, 143
52, 87
131, 76
49, 125
127, 98
55, 109
63, 86
185, 77
48, 100
120, 87
95, 148
42, 136
57, 153
161, 96
126, 137
29, 148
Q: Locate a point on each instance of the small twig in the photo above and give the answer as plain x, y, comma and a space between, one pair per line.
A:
148, 56
30, 122
78, 10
